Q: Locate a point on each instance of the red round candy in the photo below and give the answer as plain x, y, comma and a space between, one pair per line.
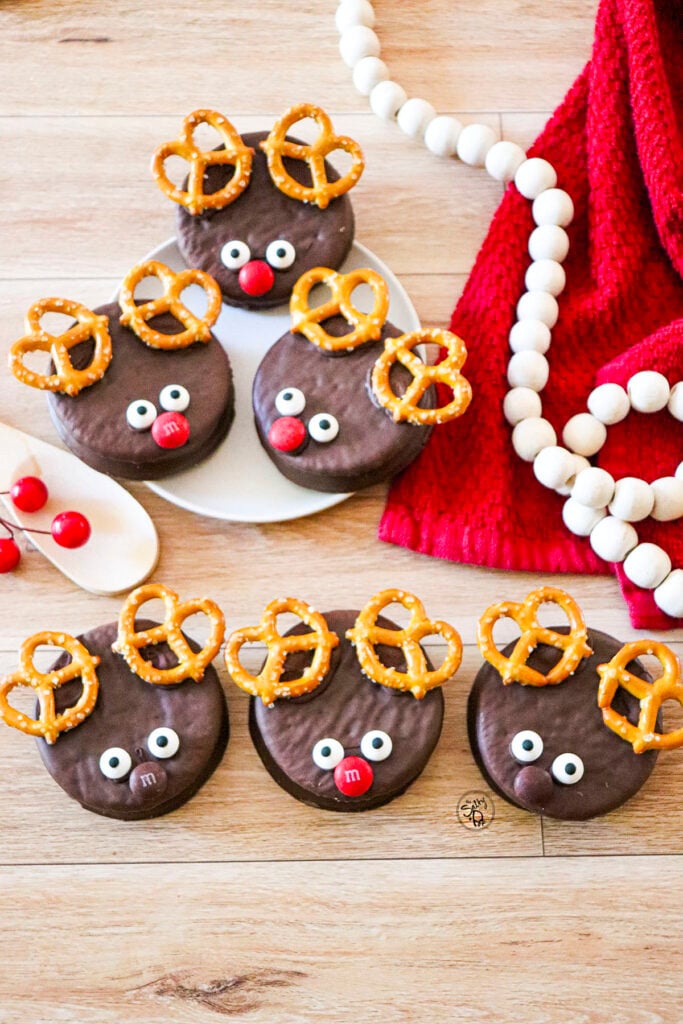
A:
256, 278
353, 776
29, 494
171, 430
9, 554
70, 529
287, 434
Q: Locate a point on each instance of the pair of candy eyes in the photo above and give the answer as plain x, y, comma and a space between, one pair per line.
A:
375, 746
322, 427
141, 414
280, 254
116, 763
527, 746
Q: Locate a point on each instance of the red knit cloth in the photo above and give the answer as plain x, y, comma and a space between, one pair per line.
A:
617, 145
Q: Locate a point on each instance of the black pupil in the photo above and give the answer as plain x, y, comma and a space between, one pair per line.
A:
175, 393
288, 396
324, 424
325, 752
142, 410
162, 741
527, 745
281, 253
235, 253
378, 742
113, 762
570, 768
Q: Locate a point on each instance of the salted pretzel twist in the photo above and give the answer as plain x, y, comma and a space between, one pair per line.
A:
405, 407
418, 679
66, 377
191, 664
233, 153
514, 668
268, 683
277, 147
137, 316
366, 326
668, 686
49, 723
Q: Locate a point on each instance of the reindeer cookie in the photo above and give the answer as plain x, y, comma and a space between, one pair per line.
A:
259, 210
347, 708
131, 720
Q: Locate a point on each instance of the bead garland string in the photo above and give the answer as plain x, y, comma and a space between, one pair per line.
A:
566, 469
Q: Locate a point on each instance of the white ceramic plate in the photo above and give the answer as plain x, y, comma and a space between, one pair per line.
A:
238, 482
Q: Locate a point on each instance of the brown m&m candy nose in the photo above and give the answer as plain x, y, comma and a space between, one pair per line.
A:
148, 781
533, 786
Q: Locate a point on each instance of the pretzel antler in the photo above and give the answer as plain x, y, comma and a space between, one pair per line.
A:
366, 326
137, 317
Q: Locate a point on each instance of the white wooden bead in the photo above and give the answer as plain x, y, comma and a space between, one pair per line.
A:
675, 403
668, 503
648, 391
633, 500
357, 42
609, 403
530, 335
545, 276
368, 73
584, 434
647, 566
354, 12
442, 134
612, 539
669, 594
535, 176
387, 98
530, 436
580, 463
528, 370
414, 116
521, 404
553, 466
554, 206
503, 159
474, 143
549, 242
538, 306
594, 487
580, 519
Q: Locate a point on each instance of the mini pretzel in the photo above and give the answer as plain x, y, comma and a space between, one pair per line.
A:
405, 408
668, 686
137, 316
66, 378
418, 679
277, 147
267, 684
234, 153
49, 723
514, 668
191, 664
367, 326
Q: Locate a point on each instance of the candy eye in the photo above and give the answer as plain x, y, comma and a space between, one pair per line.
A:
235, 254
280, 254
567, 768
323, 427
327, 753
174, 398
115, 763
526, 746
163, 742
141, 414
376, 745
290, 402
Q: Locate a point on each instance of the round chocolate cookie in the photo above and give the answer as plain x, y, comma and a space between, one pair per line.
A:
196, 381
254, 222
341, 439
157, 744
350, 744
546, 748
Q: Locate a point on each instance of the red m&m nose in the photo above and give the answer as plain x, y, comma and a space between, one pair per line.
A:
287, 434
171, 430
353, 776
256, 278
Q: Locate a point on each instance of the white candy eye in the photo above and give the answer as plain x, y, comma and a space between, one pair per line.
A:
235, 254
141, 414
327, 753
526, 746
323, 427
567, 768
115, 763
163, 742
280, 254
174, 398
376, 745
290, 402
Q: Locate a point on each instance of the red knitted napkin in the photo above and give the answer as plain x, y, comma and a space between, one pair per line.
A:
617, 145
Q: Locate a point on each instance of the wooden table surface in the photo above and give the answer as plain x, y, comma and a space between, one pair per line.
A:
245, 904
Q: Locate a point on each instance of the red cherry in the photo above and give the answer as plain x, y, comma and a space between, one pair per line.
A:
353, 776
287, 434
256, 278
171, 430
29, 494
70, 529
9, 554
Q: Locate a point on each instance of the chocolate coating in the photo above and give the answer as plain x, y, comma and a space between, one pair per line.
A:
345, 706
260, 215
94, 426
567, 718
126, 712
